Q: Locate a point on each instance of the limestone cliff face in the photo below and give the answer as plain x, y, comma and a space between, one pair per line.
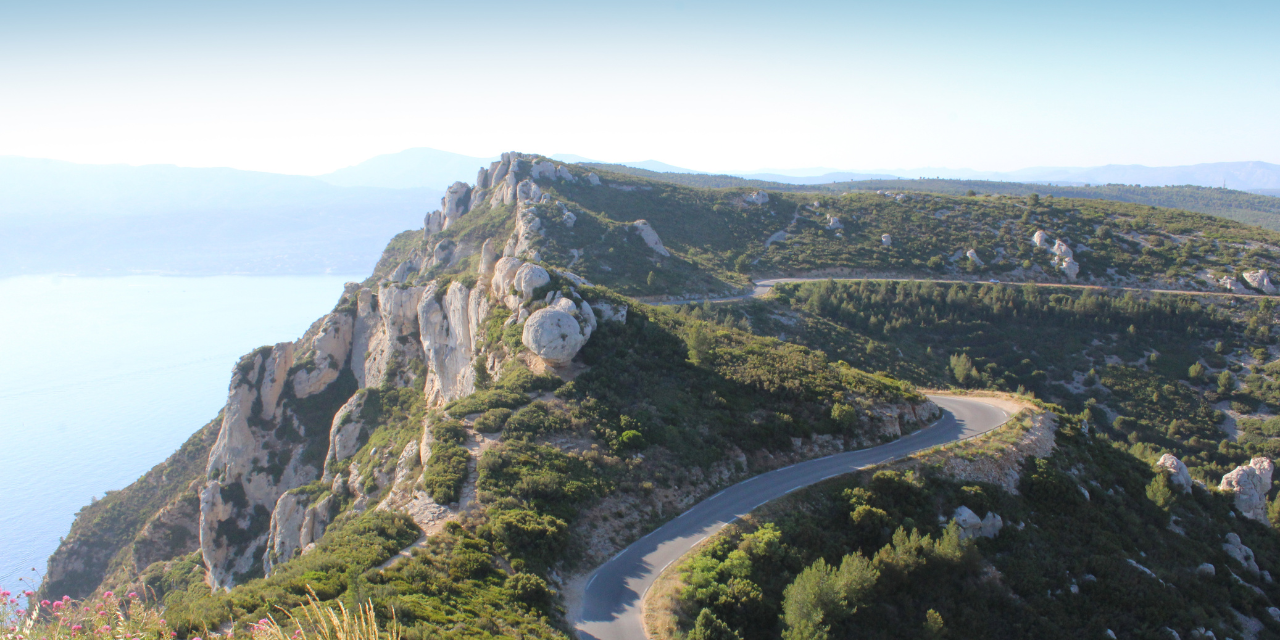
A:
295, 411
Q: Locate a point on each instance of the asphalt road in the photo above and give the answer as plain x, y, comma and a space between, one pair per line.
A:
610, 603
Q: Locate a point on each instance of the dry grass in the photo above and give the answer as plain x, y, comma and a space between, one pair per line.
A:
315, 621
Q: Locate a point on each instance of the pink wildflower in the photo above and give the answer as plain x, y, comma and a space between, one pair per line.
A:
66, 598
76, 627
108, 594
133, 594
44, 603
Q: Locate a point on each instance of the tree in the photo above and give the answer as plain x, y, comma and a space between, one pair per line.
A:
933, 626
652, 279
1035, 200
1159, 491
970, 193
1226, 382
699, 341
709, 627
1195, 372
742, 264
962, 368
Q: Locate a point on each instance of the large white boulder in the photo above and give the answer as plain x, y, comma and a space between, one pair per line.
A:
1260, 280
1041, 239
1061, 249
972, 526
456, 201
758, 197
1070, 267
1178, 473
973, 257
886, 240
650, 237
1250, 484
504, 274
528, 278
553, 335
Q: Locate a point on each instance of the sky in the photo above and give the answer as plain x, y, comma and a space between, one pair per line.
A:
310, 87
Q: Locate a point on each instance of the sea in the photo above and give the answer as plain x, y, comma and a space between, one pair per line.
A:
103, 378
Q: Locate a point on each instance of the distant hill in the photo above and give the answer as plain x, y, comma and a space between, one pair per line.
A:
1241, 206
837, 176
61, 217
421, 167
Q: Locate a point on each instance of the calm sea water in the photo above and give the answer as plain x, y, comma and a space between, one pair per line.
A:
102, 378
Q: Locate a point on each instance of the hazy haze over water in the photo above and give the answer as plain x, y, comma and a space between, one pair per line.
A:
103, 378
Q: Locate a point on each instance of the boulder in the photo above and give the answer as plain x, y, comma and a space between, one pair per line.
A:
833, 222
564, 174
593, 179
973, 257
757, 197
553, 335
1206, 570
886, 240
529, 277
1242, 554
1041, 239
1231, 284
1178, 474
1250, 484
650, 237
1260, 280
1061, 249
1070, 267
972, 526
504, 274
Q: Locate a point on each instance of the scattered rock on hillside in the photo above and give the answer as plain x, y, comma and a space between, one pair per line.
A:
758, 197
1061, 249
564, 174
886, 240
529, 277
542, 170
1260, 280
1178, 473
650, 237
973, 256
971, 526
1242, 554
833, 222
1041, 239
593, 179
1231, 284
1250, 483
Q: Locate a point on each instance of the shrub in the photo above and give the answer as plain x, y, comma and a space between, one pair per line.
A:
493, 420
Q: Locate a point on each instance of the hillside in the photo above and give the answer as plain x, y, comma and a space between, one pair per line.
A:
492, 412
1250, 207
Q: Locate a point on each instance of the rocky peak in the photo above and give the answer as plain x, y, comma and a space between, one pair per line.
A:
1250, 483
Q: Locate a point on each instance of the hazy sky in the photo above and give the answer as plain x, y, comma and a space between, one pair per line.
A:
308, 87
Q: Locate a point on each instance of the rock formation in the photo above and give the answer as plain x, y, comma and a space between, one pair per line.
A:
757, 197
1242, 554
593, 179
1178, 474
1231, 284
456, 201
971, 526
1061, 249
833, 222
973, 257
1260, 280
651, 237
1069, 267
1250, 483
886, 240
1041, 239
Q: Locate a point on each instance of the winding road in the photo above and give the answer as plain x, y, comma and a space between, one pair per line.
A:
610, 604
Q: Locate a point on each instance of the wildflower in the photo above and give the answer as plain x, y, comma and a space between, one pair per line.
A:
44, 603
173, 634
108, 594
162, 622
76, 627
133, 594
66, 598
29, 593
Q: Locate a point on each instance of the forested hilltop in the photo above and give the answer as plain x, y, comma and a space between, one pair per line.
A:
493, 412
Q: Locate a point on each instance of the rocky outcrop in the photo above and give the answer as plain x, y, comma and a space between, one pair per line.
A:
255, 459
449, 322
326, 356
528, 278
972, 527
456, 201
1231, 284
1004, 465
1061, 249
542, 170
897, 419
756, 197
650, 237
593, 179
488, 256
1242, 554
528, 232
295, 524
563, 173
833, 222
1260, 280
347, 433
886, 240
1178, 474
610, 313
1250, 483
973, 257
1040, 239
1069, 267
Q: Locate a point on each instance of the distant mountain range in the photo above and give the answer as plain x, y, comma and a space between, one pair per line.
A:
61, 217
